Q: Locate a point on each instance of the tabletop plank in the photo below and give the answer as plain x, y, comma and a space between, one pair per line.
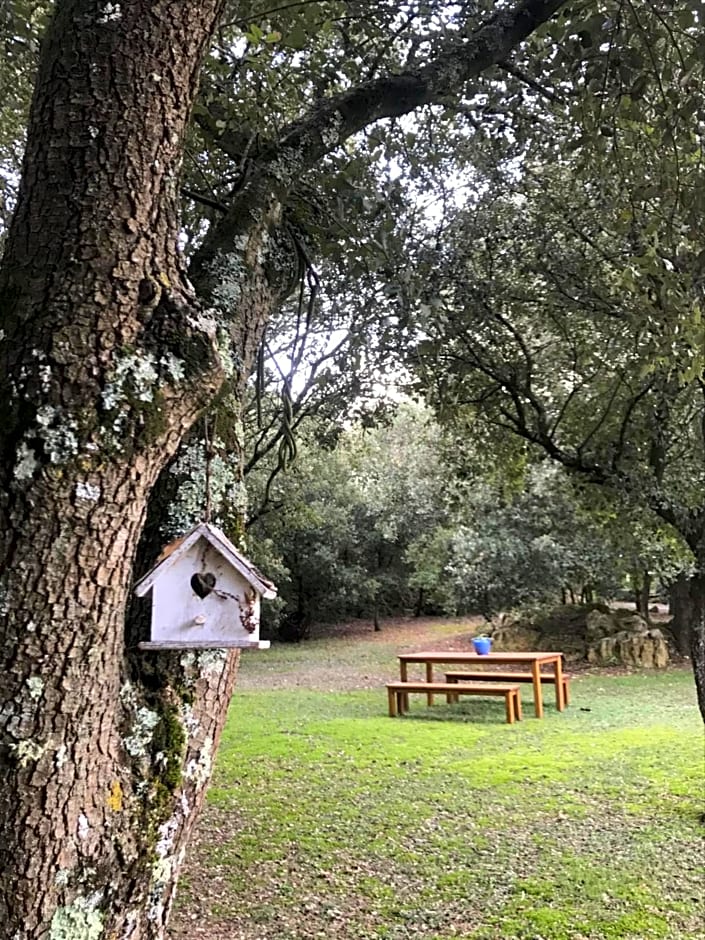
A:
455, 656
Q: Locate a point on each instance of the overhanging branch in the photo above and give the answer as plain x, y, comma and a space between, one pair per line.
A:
280, 164
444, 77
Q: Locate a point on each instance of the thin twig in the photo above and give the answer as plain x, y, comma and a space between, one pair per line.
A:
204, 200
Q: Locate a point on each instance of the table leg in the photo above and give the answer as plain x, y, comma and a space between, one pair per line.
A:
538, 700
404, 677
429, 678
560, 691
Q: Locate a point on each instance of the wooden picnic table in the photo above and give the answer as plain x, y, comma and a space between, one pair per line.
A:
535, 660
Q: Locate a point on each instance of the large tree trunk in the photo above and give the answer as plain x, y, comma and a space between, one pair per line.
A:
680, 608
692, 613
105, 752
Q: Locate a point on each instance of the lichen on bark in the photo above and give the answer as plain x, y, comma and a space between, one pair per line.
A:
81, 920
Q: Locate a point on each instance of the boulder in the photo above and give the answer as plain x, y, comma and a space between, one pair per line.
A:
515, 636
644, 650
593, 632
630, 621
597, 625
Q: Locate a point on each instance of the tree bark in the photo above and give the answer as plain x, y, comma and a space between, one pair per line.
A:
642, 591
680, 607
694, 615
104, 753
420, 602
687, 604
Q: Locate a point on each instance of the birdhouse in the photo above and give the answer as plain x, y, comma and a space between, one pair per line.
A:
205, 594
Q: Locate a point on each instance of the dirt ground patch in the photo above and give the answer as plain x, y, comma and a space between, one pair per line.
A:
353, 655
402, 630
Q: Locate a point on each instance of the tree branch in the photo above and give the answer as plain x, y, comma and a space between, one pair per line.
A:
395, 95
528, 80
279, 165
203, 200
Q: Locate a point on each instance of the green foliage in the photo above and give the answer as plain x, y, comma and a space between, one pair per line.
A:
509, 549
346, 516
392, 520
21, 25
568, 292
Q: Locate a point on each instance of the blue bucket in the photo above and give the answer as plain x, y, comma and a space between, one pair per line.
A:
482, 644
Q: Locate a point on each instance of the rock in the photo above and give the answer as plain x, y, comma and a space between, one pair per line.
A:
643, 650
569, 618
630, 621
515, 636
592, 632
597, 625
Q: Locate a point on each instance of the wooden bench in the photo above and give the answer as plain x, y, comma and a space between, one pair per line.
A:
398, 692
480, 676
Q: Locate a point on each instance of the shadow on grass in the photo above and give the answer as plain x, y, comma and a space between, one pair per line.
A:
485, 713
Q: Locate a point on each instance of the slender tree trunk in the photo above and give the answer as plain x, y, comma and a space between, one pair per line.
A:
687, 600
645, 592
641, 588
420, 602
636, 591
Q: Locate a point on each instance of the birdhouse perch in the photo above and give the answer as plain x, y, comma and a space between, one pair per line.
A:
205, 594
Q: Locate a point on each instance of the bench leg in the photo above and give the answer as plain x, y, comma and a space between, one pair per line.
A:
404, 675
566, 692
392, 700
402, 702
452, 696
509, 707
517, 705
429, 678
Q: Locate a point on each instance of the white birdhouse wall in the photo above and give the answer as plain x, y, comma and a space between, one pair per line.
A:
228, 610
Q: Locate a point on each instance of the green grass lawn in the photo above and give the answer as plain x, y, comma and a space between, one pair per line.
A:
327, 819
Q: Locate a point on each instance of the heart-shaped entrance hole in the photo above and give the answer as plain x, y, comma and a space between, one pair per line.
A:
203, 584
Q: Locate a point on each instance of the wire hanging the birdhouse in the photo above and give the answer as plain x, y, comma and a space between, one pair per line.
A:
209, 453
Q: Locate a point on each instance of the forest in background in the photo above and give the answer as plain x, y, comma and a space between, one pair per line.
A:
387, 521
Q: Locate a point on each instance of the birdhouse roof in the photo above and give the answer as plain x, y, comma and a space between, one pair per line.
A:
177, 549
